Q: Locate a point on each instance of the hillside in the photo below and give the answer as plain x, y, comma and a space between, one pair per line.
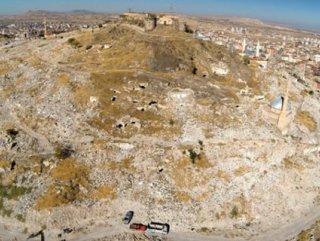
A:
98, 123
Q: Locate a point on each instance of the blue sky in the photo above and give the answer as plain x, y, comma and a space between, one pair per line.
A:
299, 13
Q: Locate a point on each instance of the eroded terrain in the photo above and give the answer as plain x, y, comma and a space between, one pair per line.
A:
94, 124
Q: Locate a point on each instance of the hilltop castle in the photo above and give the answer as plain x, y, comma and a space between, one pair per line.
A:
149, 21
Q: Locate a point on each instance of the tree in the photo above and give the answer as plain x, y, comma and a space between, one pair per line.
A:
246, 60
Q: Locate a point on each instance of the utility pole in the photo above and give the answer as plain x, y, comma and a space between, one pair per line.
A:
171, 8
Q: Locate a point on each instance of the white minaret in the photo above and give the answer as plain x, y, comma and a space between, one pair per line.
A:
45, 27
258, 49
244, 45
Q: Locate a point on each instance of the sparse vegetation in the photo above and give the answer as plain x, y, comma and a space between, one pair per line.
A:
141, 117
290, 164
68, 176
183, 197
105, 192
204, 230
13, 192
305, 118
304, 236
246, 60
193, 156
234, 212
74, 43
64, 152
188, 29
20, 218
12, 133
10, 192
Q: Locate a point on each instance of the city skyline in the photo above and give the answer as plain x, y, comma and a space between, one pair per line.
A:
299, 14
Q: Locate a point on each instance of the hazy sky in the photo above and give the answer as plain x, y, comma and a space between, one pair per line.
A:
300, 13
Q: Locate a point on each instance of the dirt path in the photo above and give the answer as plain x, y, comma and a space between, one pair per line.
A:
291, 230
281, 234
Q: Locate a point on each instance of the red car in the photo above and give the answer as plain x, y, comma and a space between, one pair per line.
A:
138, 227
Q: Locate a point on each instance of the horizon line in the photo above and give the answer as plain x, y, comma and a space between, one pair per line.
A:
291, 26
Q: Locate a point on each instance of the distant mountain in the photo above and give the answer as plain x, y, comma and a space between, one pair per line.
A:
82, 11
72, 12
41, 12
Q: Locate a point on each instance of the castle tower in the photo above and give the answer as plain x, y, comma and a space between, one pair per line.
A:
258, 50
244, 45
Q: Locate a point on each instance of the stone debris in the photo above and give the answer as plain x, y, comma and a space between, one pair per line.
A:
82, 142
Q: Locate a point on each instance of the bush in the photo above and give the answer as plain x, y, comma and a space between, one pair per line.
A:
234, 212
193, 156
188, 29
306, 119
64, 152
74, 43
246, 60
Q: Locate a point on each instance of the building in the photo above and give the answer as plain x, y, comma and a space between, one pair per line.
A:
317, 58
258, 50
244, 45
150, 21
165, 20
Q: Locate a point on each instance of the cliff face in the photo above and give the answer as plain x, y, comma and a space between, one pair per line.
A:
95, 124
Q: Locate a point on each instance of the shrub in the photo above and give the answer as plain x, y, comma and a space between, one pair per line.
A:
246, 60
305, 118
74, 43
193, 156
64, 152
234, 212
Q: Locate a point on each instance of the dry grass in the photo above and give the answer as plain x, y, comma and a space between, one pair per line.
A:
242, 171
304, 236
203, 162
122, 165
244, 207
63, 79
293, 96
68, 176
57, 196
291, 164
263, 157
68, 170
203, 197
223, 175
305, 118
4, 164
105, 192
185, 176
4, 68
34, 61
183, 197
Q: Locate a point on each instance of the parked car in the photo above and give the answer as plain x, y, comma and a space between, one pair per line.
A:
128, 217
154, 227
138, 227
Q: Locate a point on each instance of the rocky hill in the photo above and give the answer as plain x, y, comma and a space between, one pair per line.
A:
97, 123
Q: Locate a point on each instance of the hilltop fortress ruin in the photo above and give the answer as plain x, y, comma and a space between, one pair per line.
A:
149, 21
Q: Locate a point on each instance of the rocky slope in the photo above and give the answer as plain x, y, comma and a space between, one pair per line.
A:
94, 124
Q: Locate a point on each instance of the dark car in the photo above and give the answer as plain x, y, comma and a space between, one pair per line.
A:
128, 217
138, 227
